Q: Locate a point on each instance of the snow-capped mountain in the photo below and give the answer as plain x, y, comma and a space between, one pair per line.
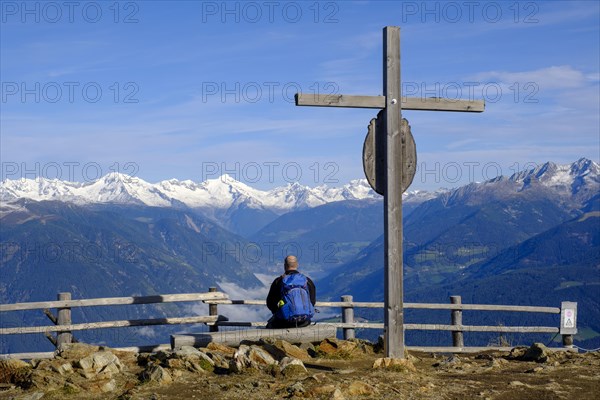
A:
220, 193
579, 180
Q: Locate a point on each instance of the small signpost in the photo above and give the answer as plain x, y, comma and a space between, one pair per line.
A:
568, 322
389, 158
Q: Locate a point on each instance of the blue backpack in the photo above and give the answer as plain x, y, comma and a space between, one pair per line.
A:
296, 299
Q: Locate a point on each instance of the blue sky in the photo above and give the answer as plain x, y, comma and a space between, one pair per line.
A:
190, 90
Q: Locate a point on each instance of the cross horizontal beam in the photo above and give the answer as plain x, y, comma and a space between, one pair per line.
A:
407, 103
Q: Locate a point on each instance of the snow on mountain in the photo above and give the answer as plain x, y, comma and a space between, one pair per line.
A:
561, 176
220, 193
577, 180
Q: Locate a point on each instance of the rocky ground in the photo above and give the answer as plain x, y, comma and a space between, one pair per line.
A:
333, 369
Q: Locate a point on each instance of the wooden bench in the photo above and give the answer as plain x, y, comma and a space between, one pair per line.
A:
310, 334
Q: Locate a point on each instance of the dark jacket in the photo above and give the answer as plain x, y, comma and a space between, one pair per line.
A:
275, 292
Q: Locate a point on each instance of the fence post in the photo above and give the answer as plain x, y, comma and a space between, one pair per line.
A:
568, 322
212, 310
348, 317
457, 336
64, 318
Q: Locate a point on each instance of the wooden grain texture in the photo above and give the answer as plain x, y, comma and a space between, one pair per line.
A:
310, 334
393, 265
441, 104
63, 318
111, 301
348, 317
379, 102
339, 100
456, 319
110, 324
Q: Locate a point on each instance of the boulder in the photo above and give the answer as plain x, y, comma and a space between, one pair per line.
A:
240, 360
76, 351
192, 358
280, 349
260, 356
156, 373
63, 368
337, 348
186, 351
221, 348
292, 367
101, 361
337, 395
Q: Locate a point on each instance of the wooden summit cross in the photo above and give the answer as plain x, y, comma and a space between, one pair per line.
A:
387, 170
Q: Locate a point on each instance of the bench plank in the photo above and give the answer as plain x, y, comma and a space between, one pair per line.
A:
309, 334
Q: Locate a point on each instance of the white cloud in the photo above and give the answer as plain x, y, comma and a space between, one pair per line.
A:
241, 313
554, 77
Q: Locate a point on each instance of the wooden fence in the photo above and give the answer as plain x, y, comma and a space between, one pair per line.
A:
64, 326
348, 325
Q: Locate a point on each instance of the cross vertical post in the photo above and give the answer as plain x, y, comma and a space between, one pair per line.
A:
397, 172
393, 284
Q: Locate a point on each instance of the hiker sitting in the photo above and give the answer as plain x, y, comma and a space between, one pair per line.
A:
292, 298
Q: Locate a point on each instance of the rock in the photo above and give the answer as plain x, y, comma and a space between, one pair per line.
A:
77, 351
359, 388
198, 365
308, 347
364, 346
63, 368
537, 352
240, 359
292, 367
281, 349
156, 373
319, 391
336, 348
516, 353
220, 348
101, 361
109, 386
260, 356
186, 351
337, 395
516, 383
176, 363
192, 359
297, 389
396, 364
86, 363
219, 360
453, 360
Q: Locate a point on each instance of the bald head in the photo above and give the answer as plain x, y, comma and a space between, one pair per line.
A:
291, 263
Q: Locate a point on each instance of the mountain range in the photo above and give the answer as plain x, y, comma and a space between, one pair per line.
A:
530, 239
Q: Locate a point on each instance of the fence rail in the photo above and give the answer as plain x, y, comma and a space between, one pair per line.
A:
64, 326
347, 305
